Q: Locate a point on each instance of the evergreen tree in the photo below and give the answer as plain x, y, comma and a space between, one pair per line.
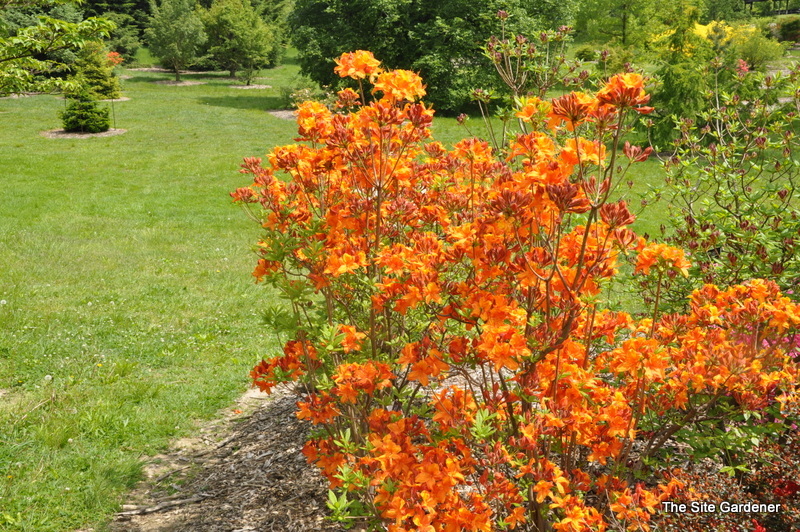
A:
237, 36
727, 10
95, 73
624, 21
83, 115
175, 34
125, 38
127, 7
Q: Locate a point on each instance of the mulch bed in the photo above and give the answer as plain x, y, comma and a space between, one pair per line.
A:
247, 474
284, 114
169, 71
245, 87
61, 134
181, 83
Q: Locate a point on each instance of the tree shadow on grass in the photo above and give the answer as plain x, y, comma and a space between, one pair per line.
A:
244, 101
145, 79
208, 76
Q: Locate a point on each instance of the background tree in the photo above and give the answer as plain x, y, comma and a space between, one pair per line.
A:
175, 34
95, 73
698, 60
138, 10
34, 41
238, 37
723, 10
443, 40
323, 29
551, 14
683, 82
276, 14
624, 21
124, 39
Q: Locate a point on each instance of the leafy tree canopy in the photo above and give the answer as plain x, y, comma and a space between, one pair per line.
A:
32, 37
238, 37
176, 34
441, 40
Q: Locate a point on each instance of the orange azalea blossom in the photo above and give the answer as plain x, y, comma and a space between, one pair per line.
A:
327, 457
347, 98
400, 85
352, 338
662, 255
625, 91
114, 58
535, 146
319, 409
583, 151
360, 64
264, 268
454, 407
354, 379
573, 108
533, 110
346, 263
297, 355
314, 121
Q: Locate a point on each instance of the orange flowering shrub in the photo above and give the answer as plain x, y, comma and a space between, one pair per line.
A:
114, 58
448, 319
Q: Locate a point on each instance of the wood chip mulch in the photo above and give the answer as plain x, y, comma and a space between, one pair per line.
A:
182, 83
61, 134
284, 114
247, 87
246, 475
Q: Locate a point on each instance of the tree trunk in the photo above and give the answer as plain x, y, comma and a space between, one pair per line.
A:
625, 26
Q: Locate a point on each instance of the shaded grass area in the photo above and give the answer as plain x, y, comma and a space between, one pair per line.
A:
126, 310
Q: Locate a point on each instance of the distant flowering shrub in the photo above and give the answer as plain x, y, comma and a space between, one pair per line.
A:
114, 58
446, 316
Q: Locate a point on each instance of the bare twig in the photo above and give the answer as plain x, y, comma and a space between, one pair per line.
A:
165, 505
170, 473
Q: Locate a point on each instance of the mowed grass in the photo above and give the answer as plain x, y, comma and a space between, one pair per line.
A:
127, 311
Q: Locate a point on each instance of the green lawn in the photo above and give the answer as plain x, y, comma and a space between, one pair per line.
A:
126, 308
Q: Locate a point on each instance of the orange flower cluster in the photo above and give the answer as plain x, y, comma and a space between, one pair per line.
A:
622, 92
662, 256
355, 379
626, 91
114, 58
298, 358
360, 64
399, 85
449, 316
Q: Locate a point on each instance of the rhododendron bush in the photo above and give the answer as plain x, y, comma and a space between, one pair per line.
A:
448, 321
